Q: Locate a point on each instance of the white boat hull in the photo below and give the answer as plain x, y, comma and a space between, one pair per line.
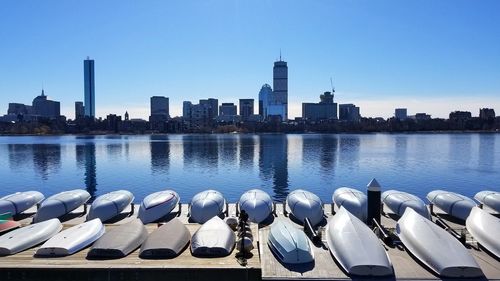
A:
26, 237
109, 205
353, 200
398, 201
73, 239
289, 243
257, 204
356, 247
157, 205
435, 247
60, 204
485, 228
452, 203
206, 205
489, 198
19, 202
213, 239
304, 204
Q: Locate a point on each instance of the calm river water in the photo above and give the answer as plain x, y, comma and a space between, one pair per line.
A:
278, 164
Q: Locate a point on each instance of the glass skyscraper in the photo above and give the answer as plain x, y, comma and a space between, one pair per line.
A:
89, 88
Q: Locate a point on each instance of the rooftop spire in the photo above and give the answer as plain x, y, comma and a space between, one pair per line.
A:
280, 54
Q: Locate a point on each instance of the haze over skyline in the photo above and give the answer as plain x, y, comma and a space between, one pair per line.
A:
428, 56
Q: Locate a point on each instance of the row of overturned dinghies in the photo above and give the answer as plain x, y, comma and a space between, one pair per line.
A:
353, 244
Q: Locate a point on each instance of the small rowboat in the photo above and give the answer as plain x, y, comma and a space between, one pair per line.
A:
206, 205
19, 202
61, 204
110, 205
485, 228
157, 205
257, 204
352, 200
213, 239
452, 203
289, 243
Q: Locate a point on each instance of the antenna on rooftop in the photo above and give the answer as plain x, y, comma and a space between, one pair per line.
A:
333, 89
280, 54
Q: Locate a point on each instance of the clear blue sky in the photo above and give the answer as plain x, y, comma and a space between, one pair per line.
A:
427, 55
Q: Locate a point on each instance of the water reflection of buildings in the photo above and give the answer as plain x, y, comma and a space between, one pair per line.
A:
201, 150
246, 151
46, 158
349, 150
273, 163
160, 154
86, 159
487, 152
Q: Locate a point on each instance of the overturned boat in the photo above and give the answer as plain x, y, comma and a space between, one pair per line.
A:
26, 237
119, 241
157, 205
452, 203
110, 205
289, 243
352, 200
257, 204
213, 239
304, 204
435, 247
398, 201
167, 241
7, 223
19, 202
72, 240
356, 247
485, 228
61, 204
489, 198
205, 205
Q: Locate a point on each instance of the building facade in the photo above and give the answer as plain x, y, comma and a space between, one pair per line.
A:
401, 114
278, 102
265, 92
228, 109
486, 113
349, 112
89, 87
79, 110
326, 109
246, 108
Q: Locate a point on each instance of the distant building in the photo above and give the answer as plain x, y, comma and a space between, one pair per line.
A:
460, 115
246, 108
421, 117
89, 87
401, 114
159, 112
228, 109
79, 110
264, 94
159, 106
486, 113
349, 112
113, 122
44, 107
19, 109
326, 109
200, 115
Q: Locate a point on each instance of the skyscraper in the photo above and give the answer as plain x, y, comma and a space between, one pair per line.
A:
265, 92
88, 76
279, 100
79, 110
246, 108
159, 106
401, 114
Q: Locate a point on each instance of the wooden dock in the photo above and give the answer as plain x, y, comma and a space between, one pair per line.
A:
263, 265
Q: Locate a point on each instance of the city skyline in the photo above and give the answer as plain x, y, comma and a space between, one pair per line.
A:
431, 61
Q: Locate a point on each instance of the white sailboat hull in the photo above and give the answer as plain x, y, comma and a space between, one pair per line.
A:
490, 199
19, 202
452, 203
356, 247
398, 201
73, 239
213, 239
435, 247
26, 237
304, 204
110, 205
289, 243
485, 228
206, 205
60, 204
157, 205
257, 204
353, 200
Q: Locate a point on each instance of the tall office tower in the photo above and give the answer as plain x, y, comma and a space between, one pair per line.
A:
265, 92
44, 107
280, 93
88, 76
401, 113
246, 108
186, 110
79, 110
159, 106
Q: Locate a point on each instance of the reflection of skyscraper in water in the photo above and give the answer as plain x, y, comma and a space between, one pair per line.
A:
228, 146
349, 150
273, 163
85, 158
487, 152
328, 153
247, 148
19, 156
201, 150
46, 159
160, 153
